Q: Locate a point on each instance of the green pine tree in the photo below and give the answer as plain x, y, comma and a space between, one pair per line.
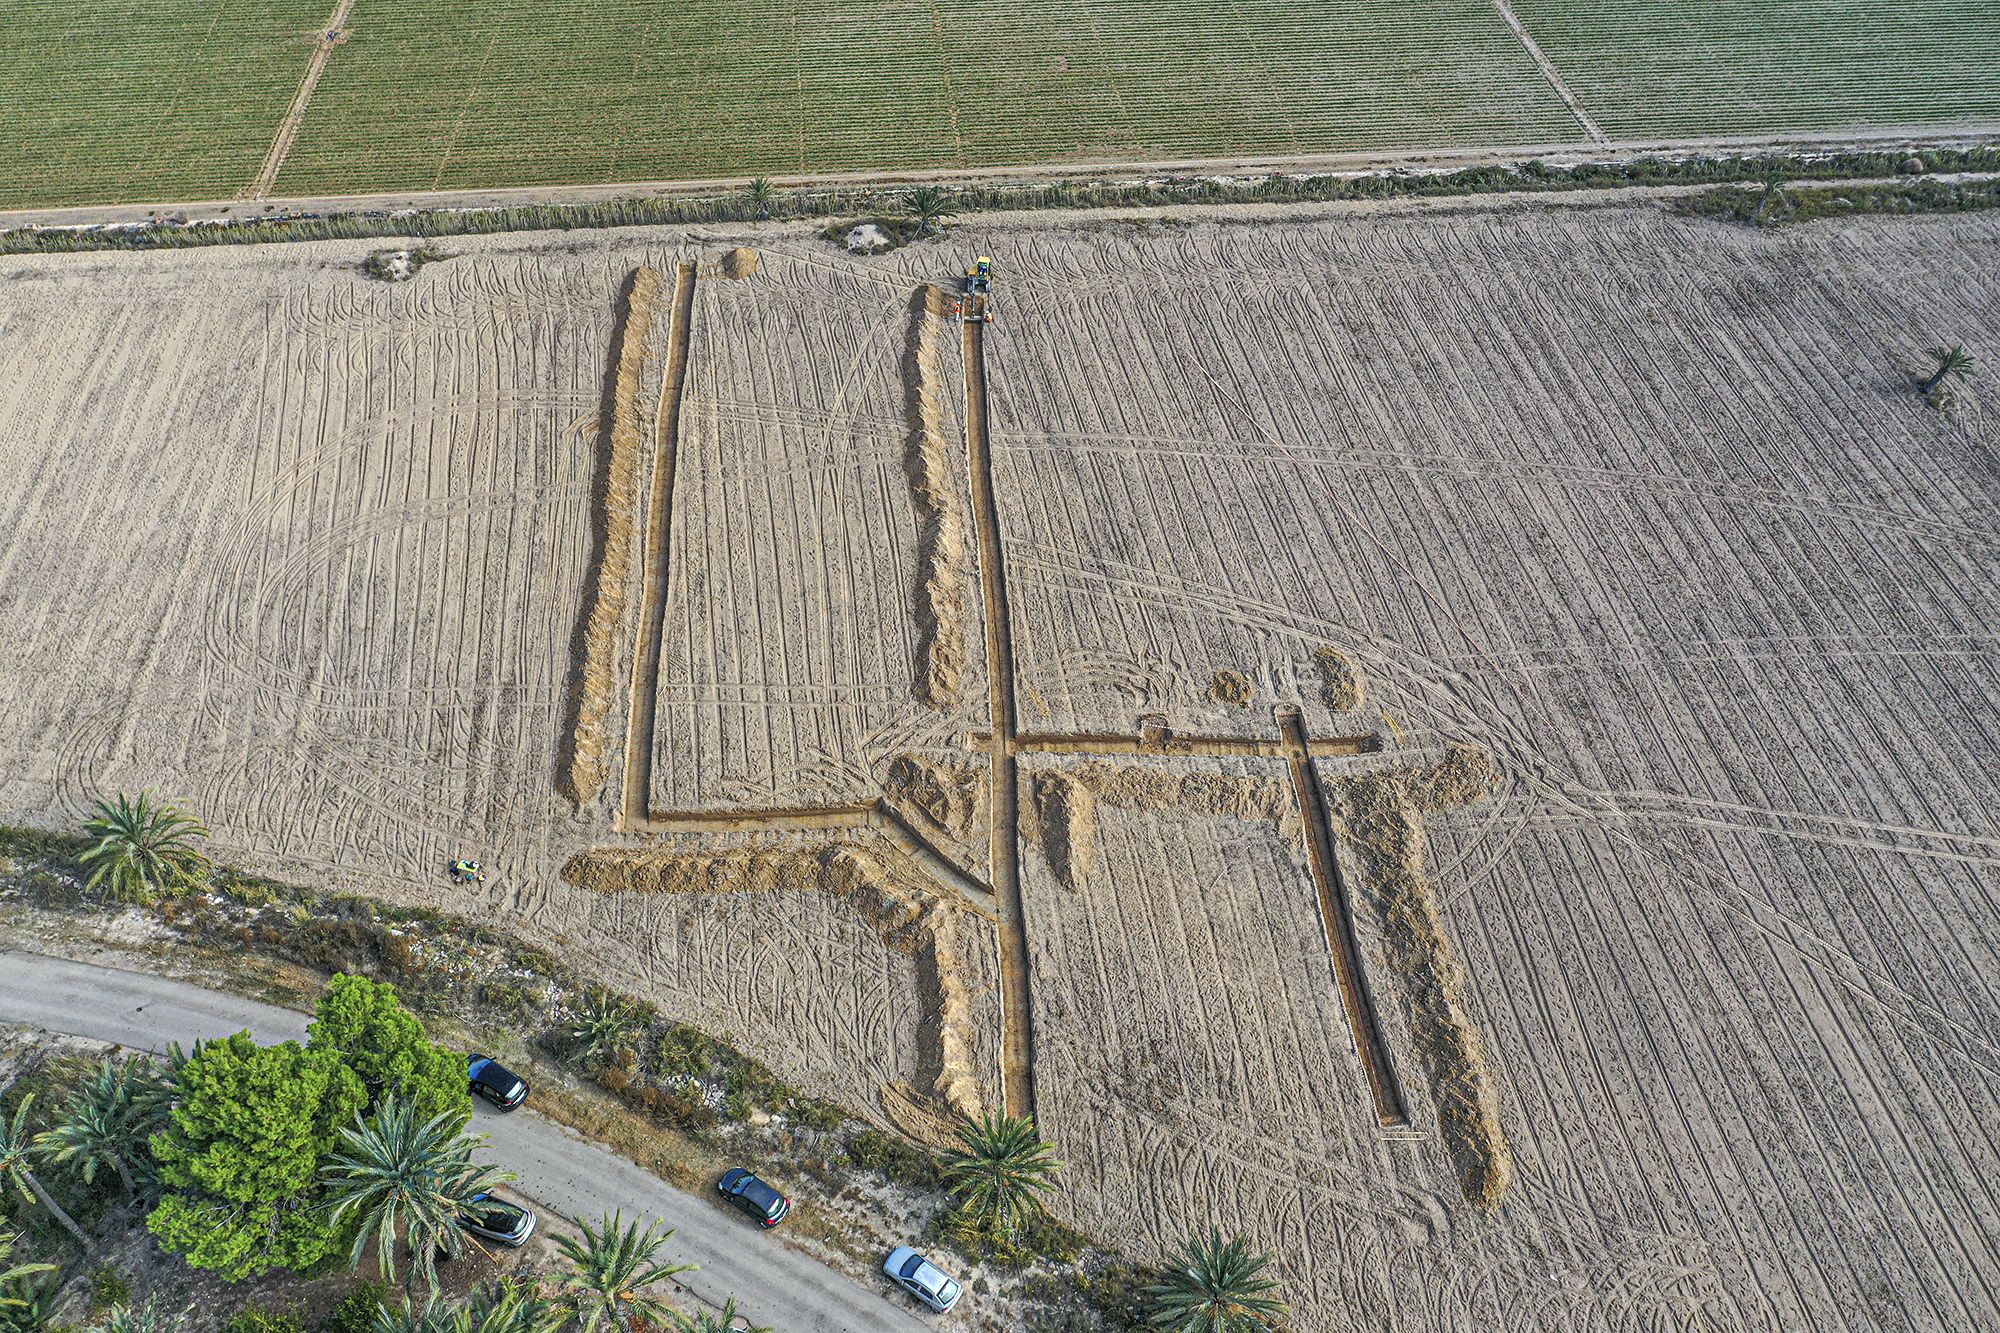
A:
239, 1160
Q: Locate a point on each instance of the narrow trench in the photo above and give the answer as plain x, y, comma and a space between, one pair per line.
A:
1337, 921
659, 534
1017, 1030
1104, 743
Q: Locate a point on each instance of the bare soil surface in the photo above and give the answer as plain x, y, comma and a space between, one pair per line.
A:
1684, 985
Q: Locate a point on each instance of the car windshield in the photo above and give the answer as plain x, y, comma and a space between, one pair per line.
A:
495, 1215
911, 1265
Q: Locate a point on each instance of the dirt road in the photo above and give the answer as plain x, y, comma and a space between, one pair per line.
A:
558, 1170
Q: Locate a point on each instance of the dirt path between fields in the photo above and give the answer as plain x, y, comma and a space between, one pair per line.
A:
330, 36
1550, 72
1354, 163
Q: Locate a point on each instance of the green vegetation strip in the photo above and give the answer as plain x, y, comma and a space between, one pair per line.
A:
1782, 204
742, 206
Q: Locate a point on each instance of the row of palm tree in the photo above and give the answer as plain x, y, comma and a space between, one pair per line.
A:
401, 1182
105, 1126
928, 205
1000, 1176
398, 1180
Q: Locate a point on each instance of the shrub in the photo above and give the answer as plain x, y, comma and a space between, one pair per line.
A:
683, 1052
250, 890
810, 1113
505, 995
527, 959
690, 1113
108, 1288
901, 1162
262, 1319
355, 1312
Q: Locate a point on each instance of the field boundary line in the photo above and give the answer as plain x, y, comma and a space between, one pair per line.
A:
330, 36
944, 75
1097, 170
1017, 1027
1549, 72
659, 538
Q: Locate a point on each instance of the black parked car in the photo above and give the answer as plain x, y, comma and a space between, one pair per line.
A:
496, 1083
753, 1196
497, 1220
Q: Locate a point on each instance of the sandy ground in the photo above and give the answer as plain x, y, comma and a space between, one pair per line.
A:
1644, 509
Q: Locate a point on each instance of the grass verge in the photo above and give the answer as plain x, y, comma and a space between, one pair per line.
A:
886, 203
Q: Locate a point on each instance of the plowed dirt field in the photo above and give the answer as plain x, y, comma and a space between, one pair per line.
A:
1458, 741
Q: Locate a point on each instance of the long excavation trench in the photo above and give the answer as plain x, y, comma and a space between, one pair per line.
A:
1017, 1027
1337, 921
659, 539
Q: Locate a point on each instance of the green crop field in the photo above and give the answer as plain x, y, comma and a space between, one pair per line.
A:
121, 100
1647, 69
115, 101
539, 91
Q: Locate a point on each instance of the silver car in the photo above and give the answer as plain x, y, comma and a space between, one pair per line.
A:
922, 1279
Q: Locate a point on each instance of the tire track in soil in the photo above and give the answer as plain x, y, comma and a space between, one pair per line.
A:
1017, 1032
1337, 918
659, 530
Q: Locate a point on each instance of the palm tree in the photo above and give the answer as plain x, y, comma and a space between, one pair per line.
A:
1952, 363
409, 1317
31, 1305
602, 1032
394, 1174
761, 193
113, 1114
1001, 1172
1213, 1286
14, 1278
610, 1269
710, 1322
146, 1319
930, 206
1774, 184
17, 1168
143, 848
512, 1306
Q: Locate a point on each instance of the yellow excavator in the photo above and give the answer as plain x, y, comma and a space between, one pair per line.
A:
975, 303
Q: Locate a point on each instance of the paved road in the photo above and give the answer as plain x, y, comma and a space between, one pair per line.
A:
772, 1283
